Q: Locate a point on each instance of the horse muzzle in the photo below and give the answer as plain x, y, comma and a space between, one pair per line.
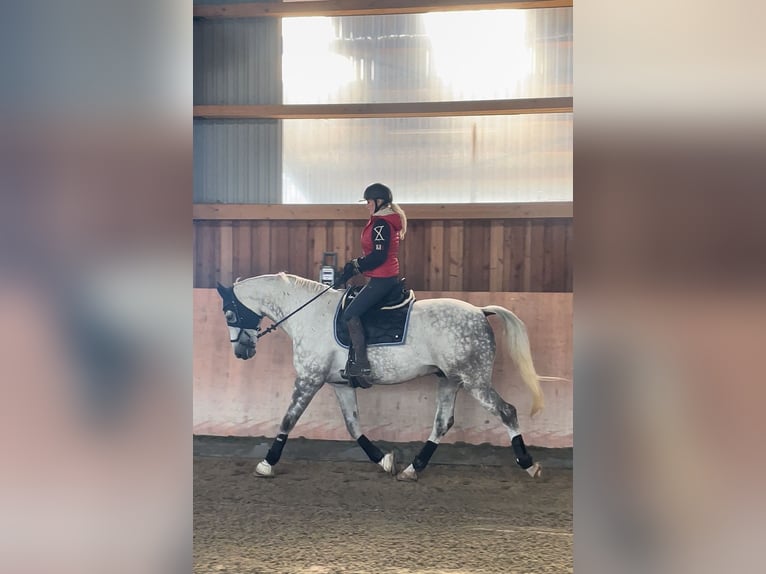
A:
245, 350
244, 345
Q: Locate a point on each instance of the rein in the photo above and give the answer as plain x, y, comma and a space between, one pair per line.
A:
286, 317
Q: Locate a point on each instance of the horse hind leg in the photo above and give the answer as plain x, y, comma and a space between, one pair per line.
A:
491, 400
443, 420
348, 405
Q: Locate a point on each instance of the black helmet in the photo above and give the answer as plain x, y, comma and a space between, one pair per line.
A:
378, 191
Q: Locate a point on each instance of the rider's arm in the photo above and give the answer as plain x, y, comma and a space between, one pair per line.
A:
381, 239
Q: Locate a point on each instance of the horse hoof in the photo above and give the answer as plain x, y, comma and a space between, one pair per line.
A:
264, 470
409, 474
388, 463
535, 471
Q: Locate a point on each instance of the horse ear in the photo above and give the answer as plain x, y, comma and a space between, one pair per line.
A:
223, 291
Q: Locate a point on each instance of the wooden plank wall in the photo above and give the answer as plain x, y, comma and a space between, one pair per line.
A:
515, 254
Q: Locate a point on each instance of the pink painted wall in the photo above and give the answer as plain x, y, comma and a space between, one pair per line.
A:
248, 398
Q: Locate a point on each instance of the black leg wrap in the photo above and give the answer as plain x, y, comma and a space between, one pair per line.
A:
520, 450
421, 461
372, 451
275, 452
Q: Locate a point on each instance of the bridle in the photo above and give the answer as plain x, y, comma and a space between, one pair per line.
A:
240, 317
245, 318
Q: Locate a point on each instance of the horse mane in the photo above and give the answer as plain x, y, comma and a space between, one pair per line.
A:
292, 279
302, 282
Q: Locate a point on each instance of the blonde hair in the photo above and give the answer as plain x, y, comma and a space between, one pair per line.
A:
403, 217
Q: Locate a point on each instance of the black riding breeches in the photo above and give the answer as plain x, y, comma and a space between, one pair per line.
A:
375, 290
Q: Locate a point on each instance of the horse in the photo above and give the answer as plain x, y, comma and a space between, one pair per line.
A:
449, 338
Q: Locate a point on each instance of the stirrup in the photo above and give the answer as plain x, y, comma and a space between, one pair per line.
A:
354, 370
354, 381
359, 382
356, 378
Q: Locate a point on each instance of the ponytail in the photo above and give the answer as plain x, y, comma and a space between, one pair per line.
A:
403, 217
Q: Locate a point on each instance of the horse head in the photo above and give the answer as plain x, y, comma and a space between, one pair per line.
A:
243, 323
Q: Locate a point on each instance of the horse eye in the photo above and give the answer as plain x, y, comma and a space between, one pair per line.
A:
230, 317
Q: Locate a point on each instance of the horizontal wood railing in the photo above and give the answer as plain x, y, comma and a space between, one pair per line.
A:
366, 8
518, 106
246, 211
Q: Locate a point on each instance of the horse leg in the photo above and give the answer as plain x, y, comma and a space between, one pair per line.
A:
303, 392
347, 400
491, 400
443, 420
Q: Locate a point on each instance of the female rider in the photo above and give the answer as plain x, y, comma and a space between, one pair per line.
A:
380, 263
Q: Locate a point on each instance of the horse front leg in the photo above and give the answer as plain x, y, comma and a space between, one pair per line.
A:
303, 392
348, 406
445, 417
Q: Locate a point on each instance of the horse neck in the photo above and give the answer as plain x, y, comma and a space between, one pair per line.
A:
276, 298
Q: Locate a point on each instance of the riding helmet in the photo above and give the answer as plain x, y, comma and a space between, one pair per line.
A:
379, 191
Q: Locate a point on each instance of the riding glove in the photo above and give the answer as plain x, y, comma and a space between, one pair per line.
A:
349, 270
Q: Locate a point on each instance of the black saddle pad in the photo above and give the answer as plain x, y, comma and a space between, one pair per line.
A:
386, 325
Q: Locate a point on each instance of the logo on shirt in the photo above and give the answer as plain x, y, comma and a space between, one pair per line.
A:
378, 233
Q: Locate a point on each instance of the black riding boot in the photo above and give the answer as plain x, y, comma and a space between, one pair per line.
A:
360, 366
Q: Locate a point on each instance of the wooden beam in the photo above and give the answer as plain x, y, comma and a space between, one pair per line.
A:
363, 8
390, 110
414, 211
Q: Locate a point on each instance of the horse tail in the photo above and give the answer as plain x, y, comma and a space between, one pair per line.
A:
518, 347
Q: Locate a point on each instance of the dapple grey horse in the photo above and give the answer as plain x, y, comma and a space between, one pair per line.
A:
446, 337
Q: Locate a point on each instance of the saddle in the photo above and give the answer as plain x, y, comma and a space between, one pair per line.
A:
385, 324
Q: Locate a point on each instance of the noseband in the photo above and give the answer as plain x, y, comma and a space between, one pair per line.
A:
239, 316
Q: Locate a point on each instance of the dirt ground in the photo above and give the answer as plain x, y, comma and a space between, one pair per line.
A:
327, 517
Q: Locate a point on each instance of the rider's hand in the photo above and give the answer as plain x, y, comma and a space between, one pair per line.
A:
349, 270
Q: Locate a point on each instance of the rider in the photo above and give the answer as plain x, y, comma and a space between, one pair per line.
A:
380, 263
